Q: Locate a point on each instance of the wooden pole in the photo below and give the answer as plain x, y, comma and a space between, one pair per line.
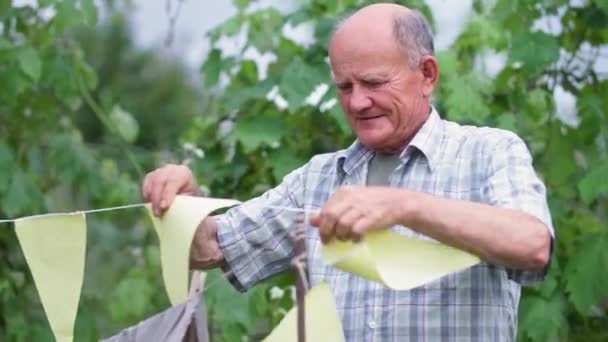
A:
299, 265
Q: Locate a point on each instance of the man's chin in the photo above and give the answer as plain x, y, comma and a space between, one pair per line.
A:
373, 143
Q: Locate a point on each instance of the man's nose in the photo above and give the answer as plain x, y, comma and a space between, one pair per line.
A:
359, 100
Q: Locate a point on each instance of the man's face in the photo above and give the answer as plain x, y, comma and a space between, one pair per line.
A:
384, 99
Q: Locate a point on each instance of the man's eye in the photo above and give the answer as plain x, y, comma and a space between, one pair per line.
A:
373, 83
345, 86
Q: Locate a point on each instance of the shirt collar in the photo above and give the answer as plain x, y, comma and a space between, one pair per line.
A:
428, 141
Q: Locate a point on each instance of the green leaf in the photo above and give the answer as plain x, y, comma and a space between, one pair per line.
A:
284, 160
89, 75
337, 113
6, 166
256, 131
234, 100
68, 16
230, 309
591, 115
543, 320
507, 121
229, 28
241, 4
465, 98
448, 63
130, 300
30, 62
586, 279
558, 161
549, 285
22, 197
298, 81
602, 4
212, 67
5, 44
263, 27
90, 11
5, 9
69, 160
124, 123
537, 104
594, 183
535, 50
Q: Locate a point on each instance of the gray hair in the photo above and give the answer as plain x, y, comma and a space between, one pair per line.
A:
414, 36
412, 32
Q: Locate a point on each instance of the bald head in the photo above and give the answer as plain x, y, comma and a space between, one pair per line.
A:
388, 22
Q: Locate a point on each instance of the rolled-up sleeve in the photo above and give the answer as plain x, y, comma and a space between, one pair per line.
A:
513, 183
256, 237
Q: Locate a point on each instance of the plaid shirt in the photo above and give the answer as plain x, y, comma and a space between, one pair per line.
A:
483, 165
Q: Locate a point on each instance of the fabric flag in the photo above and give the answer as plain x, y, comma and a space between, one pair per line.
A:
54, 248
175, 231
397, 261
185, 322
322, 321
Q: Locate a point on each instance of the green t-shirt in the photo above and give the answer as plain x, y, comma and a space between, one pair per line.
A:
380, 167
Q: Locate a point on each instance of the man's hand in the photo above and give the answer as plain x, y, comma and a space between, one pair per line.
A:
160, 188
524, 241
353, 211
162, 185
205, 252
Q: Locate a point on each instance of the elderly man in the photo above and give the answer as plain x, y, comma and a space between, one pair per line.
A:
471, 188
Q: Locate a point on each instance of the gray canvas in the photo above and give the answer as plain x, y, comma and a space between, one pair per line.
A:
186, 322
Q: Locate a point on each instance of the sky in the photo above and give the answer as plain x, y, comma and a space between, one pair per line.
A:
150, 22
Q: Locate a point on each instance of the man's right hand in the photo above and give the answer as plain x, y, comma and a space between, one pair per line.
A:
162, 185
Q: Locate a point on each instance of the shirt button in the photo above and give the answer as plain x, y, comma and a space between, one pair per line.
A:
372, 324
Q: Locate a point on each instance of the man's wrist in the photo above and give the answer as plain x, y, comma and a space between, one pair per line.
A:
409, 204
205, 252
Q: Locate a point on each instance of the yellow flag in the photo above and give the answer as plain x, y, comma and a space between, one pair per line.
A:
322, 321
54, 247
397, 261
175, 231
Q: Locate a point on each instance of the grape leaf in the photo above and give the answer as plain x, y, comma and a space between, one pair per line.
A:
586, 279
298, 81
256, 131
124, 123
594, 183
30, 62
212, 67
283, 161
6, 166
543, 320
465, 98
535, 50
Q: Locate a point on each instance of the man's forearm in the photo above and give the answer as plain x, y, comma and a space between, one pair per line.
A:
503, 236
205, 252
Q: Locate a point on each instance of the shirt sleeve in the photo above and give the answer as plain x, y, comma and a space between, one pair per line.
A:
513, 183
256, 237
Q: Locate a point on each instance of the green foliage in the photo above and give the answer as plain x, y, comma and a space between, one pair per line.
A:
535, 50
69, 141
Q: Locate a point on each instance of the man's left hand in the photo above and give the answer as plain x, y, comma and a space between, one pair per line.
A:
353, 211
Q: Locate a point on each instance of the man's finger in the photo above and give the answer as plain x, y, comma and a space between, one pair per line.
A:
363, 225
158, 187
145, 188
172, 187
345, 224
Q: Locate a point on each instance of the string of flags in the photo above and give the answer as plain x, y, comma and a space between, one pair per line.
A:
54, 246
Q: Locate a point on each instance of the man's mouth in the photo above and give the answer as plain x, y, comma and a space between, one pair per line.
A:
370, 117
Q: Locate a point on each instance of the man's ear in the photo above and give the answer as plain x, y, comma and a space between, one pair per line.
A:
430, 73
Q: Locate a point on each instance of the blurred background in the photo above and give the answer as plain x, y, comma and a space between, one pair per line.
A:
95, 93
